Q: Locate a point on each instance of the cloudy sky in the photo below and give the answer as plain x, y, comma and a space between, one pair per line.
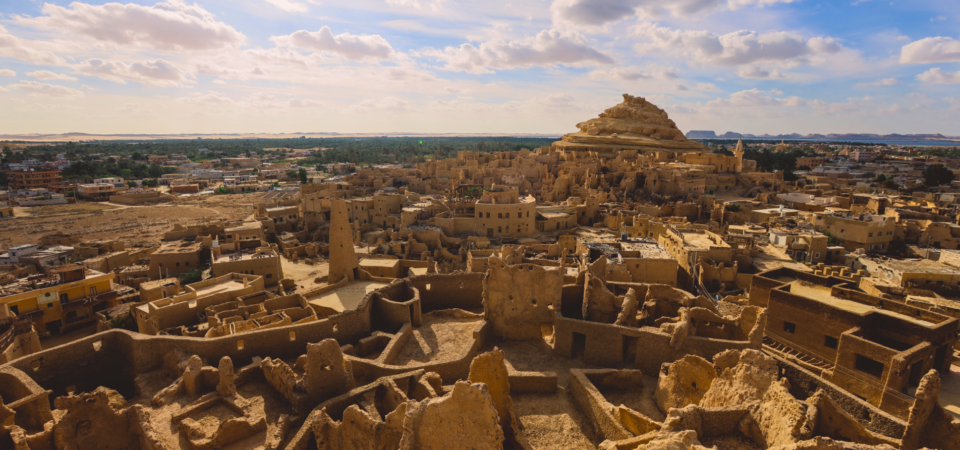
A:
515, 66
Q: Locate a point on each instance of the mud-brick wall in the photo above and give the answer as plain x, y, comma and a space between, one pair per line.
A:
394, 306
143, 353
643, 270
804, 384
645, 348
519, 298
464, 291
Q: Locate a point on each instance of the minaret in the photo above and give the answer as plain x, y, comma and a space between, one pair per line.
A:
738, 153
343, 258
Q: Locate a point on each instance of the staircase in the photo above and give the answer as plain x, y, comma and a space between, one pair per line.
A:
783, 349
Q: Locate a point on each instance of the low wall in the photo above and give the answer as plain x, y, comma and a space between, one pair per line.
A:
464, 291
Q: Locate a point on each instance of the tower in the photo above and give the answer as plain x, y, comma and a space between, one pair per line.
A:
738, 153
343, 259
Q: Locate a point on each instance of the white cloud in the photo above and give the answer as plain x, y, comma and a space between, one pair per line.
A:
883, 82
7, 73
276, 55
156, 73
346, 45
170, 25
633, 73
931, 50
953, 102
704, 87
736, 48
219, 81
601, 12
383, 104
560, 100
547, 48
938, 18
759, 73
14, 47
755, 98
937, 76
415, 4
289, 5
48, 75
304, 103
44, 89
210, 98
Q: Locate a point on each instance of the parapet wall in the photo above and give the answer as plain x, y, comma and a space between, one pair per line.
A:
461, 290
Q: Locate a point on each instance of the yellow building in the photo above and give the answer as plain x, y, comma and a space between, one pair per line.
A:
65, 298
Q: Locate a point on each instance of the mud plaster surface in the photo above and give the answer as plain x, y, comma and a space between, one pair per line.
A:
258, 393
552, 421
730, 442
437, 339
642, 401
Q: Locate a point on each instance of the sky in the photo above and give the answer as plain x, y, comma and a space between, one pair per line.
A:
477, 66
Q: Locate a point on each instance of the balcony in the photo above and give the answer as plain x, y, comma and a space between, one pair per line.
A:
30, 316
88, 301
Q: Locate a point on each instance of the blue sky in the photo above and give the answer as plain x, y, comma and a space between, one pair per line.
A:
450, 66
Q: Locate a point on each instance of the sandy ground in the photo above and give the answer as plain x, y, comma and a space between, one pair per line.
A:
60, 339
950, 391
550, 421
132, 224
304, 274
437, 339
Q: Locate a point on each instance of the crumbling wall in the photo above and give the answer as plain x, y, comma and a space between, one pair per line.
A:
684, 382
466, 419
518, 298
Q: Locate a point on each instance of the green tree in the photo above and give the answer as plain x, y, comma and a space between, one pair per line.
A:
881, 178
137, 156
937, 175
302, 176
190, 277
890, 184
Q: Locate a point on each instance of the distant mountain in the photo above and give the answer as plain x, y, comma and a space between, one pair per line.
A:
697, 134
706, 134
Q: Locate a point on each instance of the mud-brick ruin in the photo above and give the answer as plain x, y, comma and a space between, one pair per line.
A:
538, 306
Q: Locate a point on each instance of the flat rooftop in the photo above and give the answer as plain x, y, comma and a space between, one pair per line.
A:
823, 294
346, 297
379, 262
918, 266
700, 240
179, 247
648, 250
223, 286
242, 256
